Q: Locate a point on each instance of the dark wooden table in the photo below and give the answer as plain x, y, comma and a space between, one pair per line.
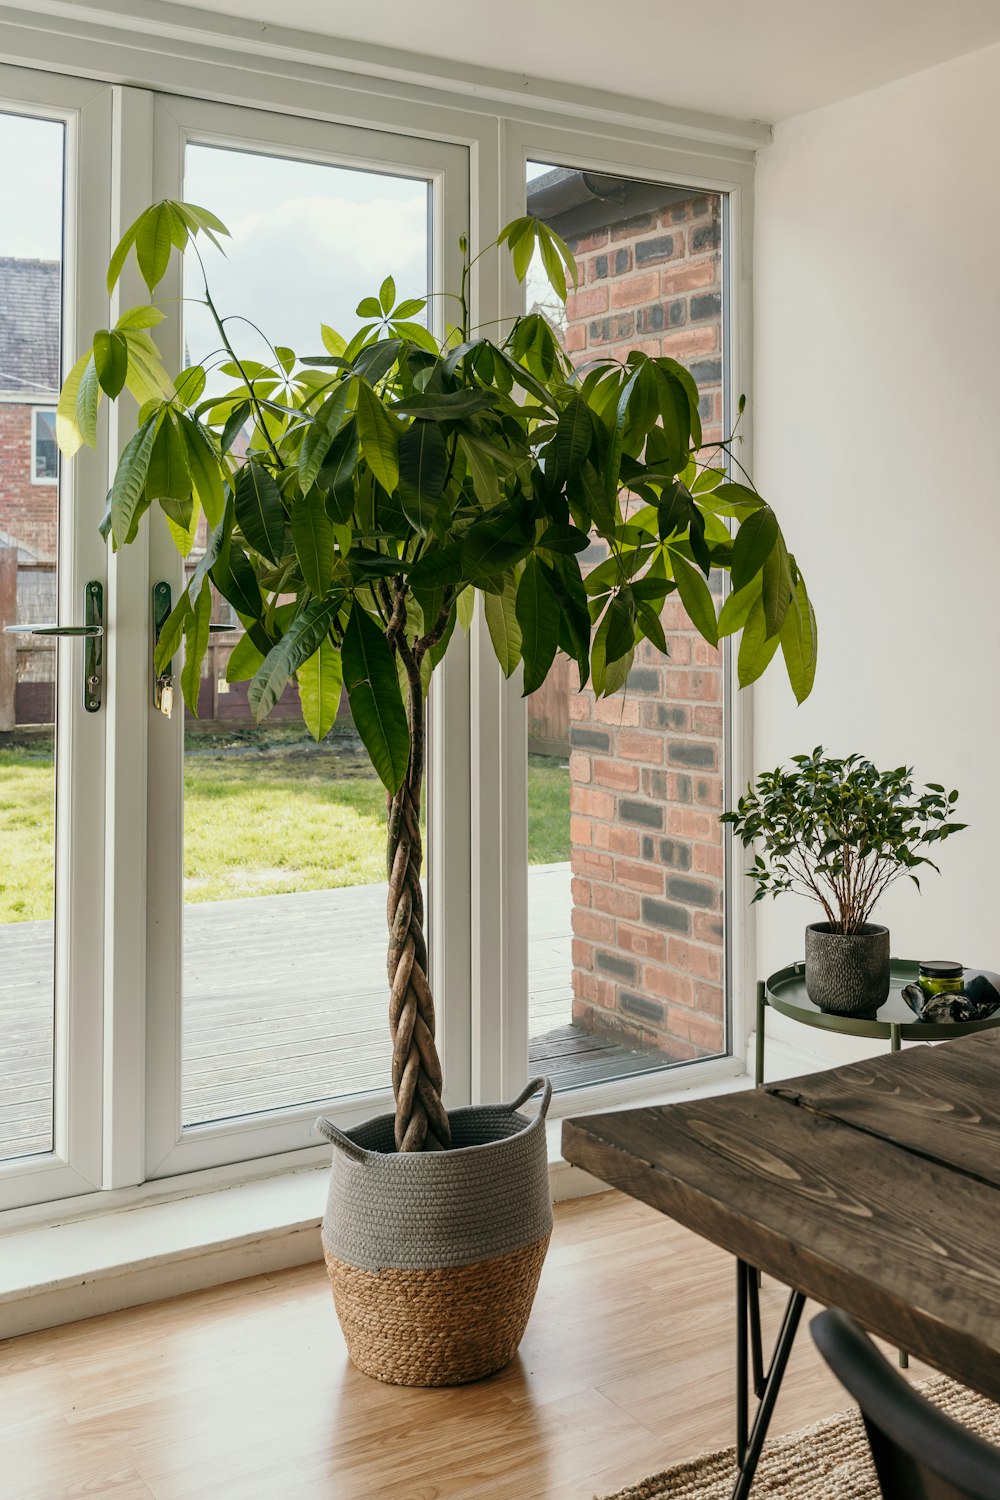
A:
873, 1187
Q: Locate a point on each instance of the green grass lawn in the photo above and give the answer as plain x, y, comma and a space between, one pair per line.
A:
264, 813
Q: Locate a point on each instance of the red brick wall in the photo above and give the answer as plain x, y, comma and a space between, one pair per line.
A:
646, 766
27, 511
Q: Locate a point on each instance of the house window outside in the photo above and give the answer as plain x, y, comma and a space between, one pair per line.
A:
44, 452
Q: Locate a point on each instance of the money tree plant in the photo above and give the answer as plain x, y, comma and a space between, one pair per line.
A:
356, 501
840, 831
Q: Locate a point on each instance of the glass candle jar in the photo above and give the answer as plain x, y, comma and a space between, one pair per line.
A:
939, 977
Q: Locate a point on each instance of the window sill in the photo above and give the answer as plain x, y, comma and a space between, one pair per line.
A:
102, 1254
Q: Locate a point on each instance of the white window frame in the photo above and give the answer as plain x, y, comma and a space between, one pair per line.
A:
36, 478
501, 122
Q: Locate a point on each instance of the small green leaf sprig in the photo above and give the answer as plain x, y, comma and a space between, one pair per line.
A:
840, 831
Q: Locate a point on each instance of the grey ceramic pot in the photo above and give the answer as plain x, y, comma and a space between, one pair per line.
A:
847, 974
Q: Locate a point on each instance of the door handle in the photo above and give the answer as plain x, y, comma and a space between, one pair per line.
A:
92, 632
163, 682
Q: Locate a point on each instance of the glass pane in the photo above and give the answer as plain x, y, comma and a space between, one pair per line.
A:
31, 234
284, 988
626, 892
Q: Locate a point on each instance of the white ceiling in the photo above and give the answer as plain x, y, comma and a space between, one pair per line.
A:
748, 59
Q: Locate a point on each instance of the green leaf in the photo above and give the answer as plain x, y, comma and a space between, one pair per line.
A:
777, 590
169, 474
320, 435
695, 598
423, 467
189, 384
146, 378
234, 425
234, 577
312, 533
484, 471
145, 316
68, 433
337, 474
196, 636
303, 636
756, 647
378, 433
537, 611
321, 681
376, 705
501, 621
738, 605
445, 406
159, 230
798, 643
620, 635
172, 633
493, 546
110, 360
87, 398
203, 461
651, 626
386, 295
259, 512
120, 255
182, 518
553, 266
244, 659
333, 343
613, 462
369, 307
574, 436
130, 479
752, 547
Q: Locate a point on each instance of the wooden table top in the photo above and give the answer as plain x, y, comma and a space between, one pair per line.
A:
873, 1187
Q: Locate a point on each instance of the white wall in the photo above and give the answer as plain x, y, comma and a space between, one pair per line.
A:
876, 408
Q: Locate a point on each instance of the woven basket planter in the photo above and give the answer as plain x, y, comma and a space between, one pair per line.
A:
435, 1256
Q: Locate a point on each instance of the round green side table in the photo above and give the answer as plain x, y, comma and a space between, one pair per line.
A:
894, 1021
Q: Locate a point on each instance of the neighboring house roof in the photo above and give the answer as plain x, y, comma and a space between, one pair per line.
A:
29, 327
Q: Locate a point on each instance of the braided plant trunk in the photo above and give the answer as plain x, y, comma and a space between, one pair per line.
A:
421, 1122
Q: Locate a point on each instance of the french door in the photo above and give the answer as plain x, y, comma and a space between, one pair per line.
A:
266, 940
55, 139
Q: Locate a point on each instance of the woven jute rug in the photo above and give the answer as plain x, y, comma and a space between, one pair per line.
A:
826, 1462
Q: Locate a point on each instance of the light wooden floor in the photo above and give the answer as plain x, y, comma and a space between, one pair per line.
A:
245, 1392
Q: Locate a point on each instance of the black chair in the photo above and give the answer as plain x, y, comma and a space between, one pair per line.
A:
919, 1453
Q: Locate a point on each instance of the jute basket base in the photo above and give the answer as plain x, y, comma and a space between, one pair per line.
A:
437, 1327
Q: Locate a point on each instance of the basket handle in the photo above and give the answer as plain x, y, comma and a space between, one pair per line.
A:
532, 1088
337, 1138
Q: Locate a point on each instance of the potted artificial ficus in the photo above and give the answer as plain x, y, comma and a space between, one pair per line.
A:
840, 832
380, 486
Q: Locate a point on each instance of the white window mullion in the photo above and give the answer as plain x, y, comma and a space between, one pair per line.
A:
129, 696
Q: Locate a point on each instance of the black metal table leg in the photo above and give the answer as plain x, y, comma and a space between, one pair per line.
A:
766, 1384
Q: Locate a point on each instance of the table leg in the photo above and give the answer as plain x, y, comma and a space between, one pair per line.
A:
895, 1042
759, 1037
750, 1438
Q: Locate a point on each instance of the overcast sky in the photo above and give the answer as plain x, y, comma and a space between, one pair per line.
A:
30, 188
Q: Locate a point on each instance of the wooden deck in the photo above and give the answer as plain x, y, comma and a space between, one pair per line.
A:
275, 1015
